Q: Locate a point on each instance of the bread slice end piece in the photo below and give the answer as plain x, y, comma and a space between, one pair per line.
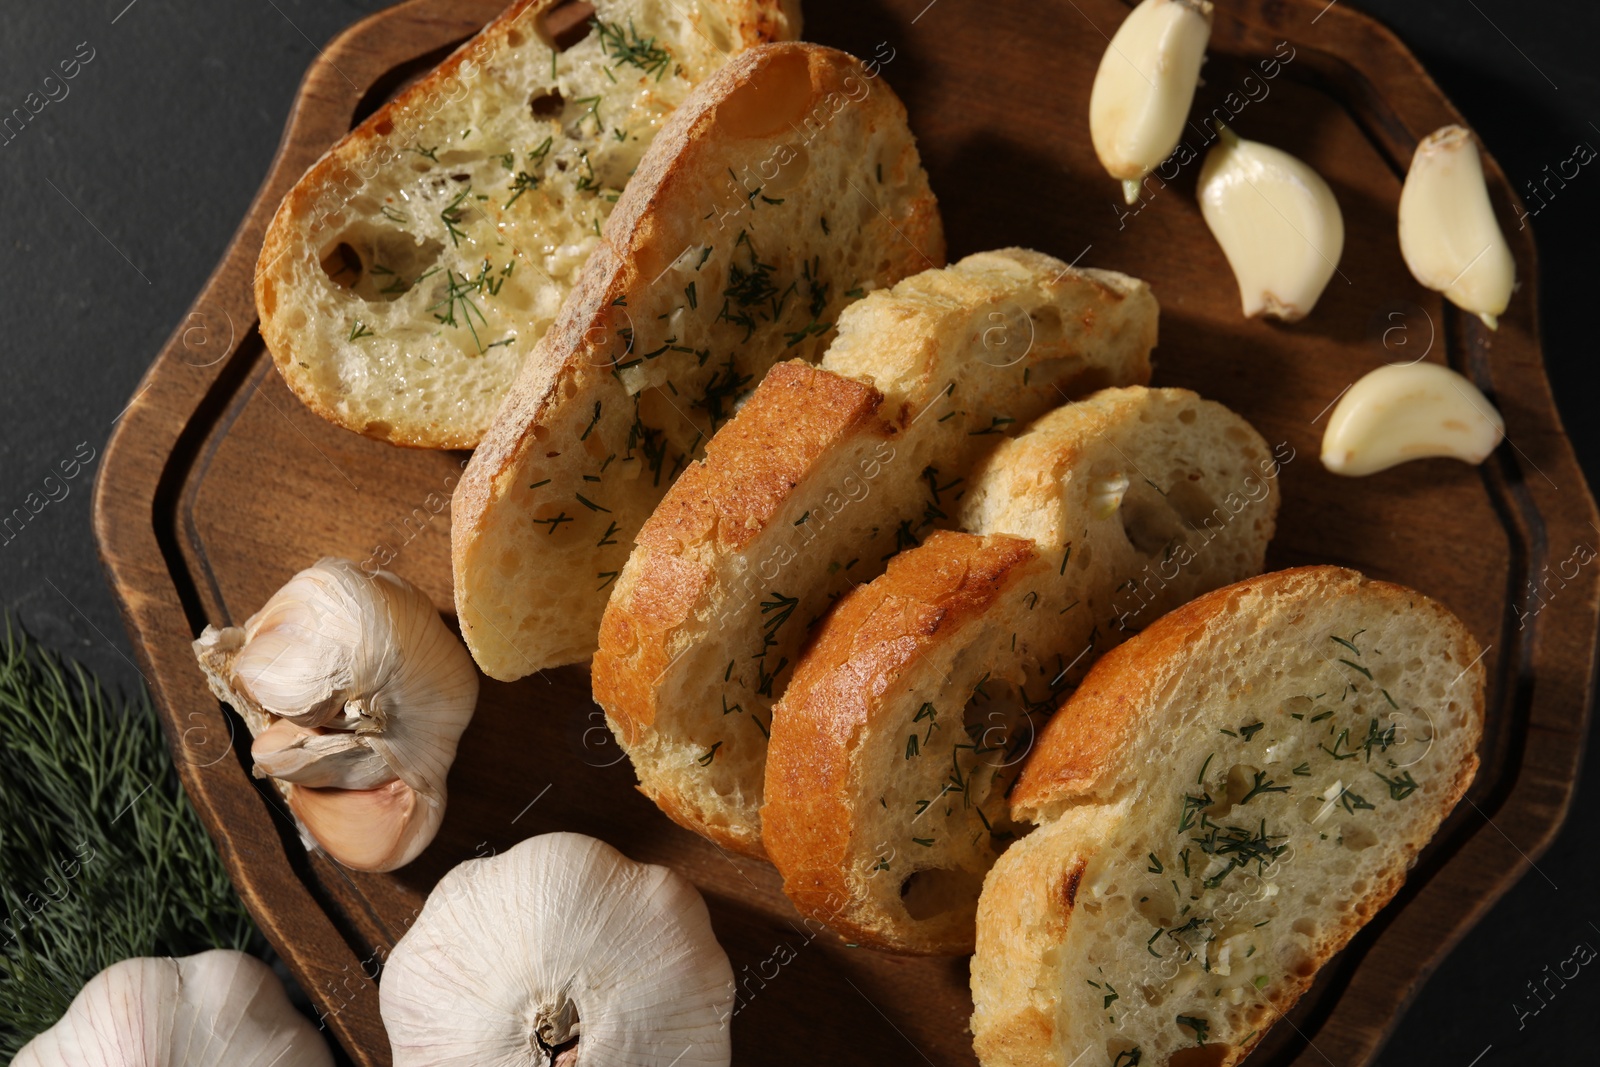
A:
1244, 785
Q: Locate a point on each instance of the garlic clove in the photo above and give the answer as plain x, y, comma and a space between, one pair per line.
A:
560, 937
378, 829
1411, 411
1106, 493
1448, 234
1145, 85
298, 659
1277, 222
317, 758
357, 694
421, 699
217, 1009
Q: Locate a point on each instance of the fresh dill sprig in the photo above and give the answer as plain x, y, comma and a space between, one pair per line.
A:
632, 49
1339, 743
996, 425
1263, 784
587, 180
1354, 802
1400, 786
1201, 1027
521, 183
747, 288
104, 859
722, 392
453, 214
591, 112
458, 296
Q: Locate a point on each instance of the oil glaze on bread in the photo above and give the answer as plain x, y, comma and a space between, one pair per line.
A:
1222, 804
895, 747
813, 487
701, 285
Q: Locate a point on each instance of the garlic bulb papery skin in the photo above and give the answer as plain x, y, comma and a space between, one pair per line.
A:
1448, 234
1277, 222
337, 759
560, 938
1409, 411
1145, 86
218, 1009
356, 693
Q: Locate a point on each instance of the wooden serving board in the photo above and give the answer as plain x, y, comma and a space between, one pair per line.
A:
219, 485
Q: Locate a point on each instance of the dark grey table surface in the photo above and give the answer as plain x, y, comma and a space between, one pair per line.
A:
119, 197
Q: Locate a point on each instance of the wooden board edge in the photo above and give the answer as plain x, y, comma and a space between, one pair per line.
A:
1540, 792
146, 450
146, 594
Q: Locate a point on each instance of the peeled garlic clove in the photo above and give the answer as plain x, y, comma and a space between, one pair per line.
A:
560, 938
1145, 86
216, 1009
1277, 223
315, 758
377, 829
1448, 233
1106, 493
380, 690
1409, 411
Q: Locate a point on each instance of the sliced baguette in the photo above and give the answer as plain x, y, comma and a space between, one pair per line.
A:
1085, 948
405, 277
895, 746
811, 488
701, 286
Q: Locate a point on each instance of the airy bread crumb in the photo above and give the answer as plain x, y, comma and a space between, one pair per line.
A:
1224, 802
902, 734
407, 275
701, 286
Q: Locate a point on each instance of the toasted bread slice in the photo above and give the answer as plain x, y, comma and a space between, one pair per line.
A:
702, 284
895, 746
1224, 802
405, 277
815, 484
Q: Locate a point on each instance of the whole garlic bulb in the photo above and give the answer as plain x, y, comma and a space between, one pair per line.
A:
216, 1009
562, 938
357, 694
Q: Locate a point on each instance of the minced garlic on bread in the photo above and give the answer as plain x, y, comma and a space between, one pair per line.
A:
409, 272
1223, 803
702, 284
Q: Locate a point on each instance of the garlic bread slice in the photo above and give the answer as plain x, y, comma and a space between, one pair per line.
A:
908, 718
409, 272
787, 187
822, 477
1224, 802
